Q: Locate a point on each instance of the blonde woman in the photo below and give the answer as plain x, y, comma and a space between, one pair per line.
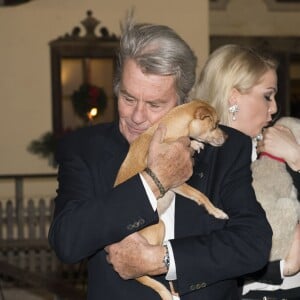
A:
241, 84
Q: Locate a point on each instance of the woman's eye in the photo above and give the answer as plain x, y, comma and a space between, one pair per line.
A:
268, 97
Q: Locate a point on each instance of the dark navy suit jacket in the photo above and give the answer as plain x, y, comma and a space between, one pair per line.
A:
209, 253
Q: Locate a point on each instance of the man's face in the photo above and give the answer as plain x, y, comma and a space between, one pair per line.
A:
143, 99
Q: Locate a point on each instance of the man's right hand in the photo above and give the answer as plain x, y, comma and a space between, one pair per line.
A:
171, 162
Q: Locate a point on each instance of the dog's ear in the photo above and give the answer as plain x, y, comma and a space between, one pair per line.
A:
204, 112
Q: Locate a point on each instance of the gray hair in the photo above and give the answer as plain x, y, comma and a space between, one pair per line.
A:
158, 50
228, 67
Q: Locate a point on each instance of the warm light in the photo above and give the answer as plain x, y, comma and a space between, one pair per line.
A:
92, 113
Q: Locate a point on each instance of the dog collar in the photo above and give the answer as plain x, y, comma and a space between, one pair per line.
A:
272, 156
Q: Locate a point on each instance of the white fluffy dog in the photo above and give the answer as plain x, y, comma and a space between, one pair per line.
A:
275, 191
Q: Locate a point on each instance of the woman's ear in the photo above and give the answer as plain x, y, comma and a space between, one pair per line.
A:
233, 97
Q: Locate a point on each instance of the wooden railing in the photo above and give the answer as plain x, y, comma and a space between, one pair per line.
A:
25, 254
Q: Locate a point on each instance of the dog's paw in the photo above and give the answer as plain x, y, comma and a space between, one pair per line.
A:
196, 145
219, 214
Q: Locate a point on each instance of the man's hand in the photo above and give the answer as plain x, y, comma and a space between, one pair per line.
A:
134, 257
292, 261
171, 162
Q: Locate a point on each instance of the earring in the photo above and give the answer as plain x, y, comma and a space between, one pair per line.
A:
259, 137
233, 109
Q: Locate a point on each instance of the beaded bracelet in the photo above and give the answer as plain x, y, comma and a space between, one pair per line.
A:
162, 190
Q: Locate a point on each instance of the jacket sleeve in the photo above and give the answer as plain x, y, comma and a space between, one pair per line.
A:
296, 179
269, 274
237, 246
89, 213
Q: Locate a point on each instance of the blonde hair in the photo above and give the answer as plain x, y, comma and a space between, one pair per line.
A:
228, 67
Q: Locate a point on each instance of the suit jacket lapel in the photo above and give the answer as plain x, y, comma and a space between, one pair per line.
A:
114, 148
187, 212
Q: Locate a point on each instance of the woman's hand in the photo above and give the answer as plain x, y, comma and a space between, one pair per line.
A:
292, 261
280, 141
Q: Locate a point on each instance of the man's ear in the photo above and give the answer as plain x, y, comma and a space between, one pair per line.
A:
233, 96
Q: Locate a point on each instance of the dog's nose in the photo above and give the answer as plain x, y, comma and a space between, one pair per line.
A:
221, 140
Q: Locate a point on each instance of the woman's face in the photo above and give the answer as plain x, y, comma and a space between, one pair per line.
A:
256, 106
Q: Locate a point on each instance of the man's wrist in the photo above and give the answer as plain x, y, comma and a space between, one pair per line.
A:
166, 258
157, 182
151, 184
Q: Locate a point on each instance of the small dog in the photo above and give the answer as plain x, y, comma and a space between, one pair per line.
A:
197, 120
276, 193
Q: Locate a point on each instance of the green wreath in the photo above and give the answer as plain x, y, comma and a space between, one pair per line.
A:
87, 97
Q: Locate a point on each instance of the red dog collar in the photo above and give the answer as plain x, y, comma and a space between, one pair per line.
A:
272, 156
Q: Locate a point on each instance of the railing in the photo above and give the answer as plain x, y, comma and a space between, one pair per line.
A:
25, 254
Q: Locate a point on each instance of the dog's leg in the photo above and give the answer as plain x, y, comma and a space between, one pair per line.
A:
157, 286
155, 235
195, 195
164, 202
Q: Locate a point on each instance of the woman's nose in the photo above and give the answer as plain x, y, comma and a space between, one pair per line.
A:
273, 107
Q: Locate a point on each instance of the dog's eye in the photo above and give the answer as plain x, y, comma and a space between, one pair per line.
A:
216, 125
